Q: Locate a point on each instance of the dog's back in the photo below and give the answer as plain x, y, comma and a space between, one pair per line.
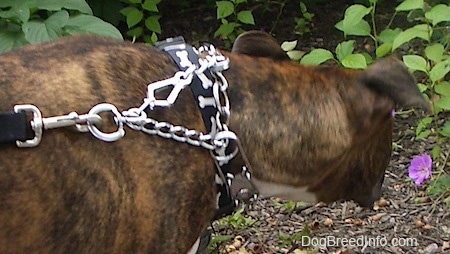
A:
76, 194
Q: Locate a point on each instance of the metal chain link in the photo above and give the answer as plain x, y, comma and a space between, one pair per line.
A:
137, 119
167, 130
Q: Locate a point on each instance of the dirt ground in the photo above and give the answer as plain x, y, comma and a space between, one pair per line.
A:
406, 220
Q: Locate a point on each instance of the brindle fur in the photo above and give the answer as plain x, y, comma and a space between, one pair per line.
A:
320, 127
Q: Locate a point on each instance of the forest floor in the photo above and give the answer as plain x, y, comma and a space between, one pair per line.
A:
405, 220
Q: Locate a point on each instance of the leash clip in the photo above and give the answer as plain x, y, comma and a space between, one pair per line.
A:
36, 125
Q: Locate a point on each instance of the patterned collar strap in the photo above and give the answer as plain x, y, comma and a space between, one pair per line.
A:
201, 86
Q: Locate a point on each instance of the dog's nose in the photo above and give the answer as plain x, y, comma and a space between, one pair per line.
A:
367, 203
373, 196
376, 191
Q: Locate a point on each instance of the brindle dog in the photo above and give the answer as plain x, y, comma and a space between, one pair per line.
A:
322, 131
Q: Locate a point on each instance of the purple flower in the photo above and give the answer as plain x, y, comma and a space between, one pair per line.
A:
393, 113
420, 168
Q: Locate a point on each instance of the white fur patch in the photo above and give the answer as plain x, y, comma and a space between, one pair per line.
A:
268, 189
194, 248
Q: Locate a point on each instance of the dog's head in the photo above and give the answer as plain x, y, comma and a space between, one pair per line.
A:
334, 131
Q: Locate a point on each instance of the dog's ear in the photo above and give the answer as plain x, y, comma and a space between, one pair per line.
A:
390, 77
260, 44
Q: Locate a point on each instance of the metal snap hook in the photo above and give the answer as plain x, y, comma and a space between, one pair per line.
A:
108, 137
36, 125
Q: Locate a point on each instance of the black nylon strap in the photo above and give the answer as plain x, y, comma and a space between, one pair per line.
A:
13, 127
172, 46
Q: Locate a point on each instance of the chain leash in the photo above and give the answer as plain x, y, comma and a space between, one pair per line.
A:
137, 119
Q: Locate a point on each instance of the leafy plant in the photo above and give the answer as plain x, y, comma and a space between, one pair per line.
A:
142, 18
218, 240
33, 21
429, 30
302, 23
288, 205
237, 220
232, 17
434, 65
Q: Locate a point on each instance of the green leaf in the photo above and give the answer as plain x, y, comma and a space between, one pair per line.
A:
408, 5
154, 38
438, 13
436, 152
443, 88
7, 41
354, 14
423, 135
316, 57
344, 49
134, 16
383, 49
152, 23
418, 31
38, 31
127, 10
239, 1
20, 12
151, 5
57, 20
151, 39
440, 186
445, 130
219, 239
289, 45
78, 5
416, 63
89, 24
135, 32
303, 8
422, 87
7, 3
435, 52
135, 1
225, 29
440, 70
423, 124
388, 35
224, 9
368, 58
295, 54
354, 61
443, 103
57, 5
360, 29
246, 17
10, 40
